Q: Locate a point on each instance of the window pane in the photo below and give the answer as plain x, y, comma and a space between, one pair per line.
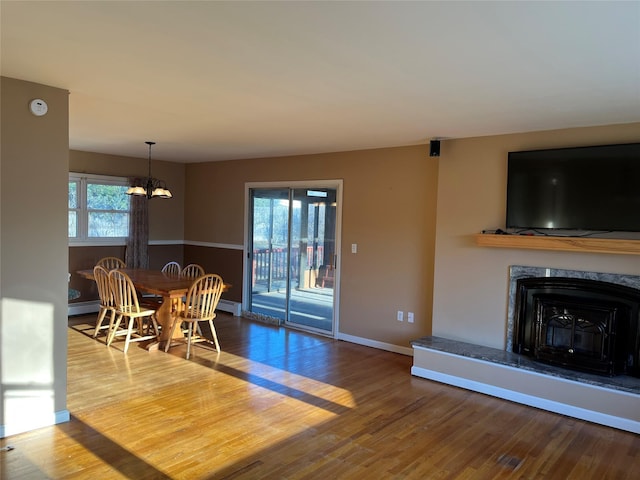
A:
73, 224
73, 194
107, 197
108, 224
98, 208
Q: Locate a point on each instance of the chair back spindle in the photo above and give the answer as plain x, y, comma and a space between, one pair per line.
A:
111, 262
107, 303
127, 306
172, 268
192, 271
200, 306
203, 297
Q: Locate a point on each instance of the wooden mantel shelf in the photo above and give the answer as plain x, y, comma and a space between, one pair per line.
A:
568, 244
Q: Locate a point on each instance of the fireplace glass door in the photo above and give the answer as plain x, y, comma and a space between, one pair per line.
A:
573, 334
578, 323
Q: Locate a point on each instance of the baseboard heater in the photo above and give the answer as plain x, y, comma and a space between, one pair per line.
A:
228, 306
82, 308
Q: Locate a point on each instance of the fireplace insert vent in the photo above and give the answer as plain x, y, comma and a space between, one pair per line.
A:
578, 323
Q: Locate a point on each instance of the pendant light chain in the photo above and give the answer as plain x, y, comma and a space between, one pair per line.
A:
152, 187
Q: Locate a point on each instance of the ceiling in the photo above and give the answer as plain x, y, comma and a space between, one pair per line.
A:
226, 80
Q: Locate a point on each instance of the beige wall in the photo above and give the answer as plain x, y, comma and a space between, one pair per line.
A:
391, 199
388, 210
471, 282
33, 260
166, 217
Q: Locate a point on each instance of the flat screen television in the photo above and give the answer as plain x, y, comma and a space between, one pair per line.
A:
585, 188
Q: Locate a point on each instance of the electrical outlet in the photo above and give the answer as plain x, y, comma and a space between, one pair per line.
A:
410, 317
400, 315
354, 248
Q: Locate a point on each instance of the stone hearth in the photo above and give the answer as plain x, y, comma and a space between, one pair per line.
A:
611, 401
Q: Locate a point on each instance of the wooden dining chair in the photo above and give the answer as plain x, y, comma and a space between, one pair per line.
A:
107, 303
200, 306
111, 262
193, 270
128, 307
172, 268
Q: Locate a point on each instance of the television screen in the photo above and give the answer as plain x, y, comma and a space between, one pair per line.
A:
585, 188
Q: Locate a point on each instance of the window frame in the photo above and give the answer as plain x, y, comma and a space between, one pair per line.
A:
82, 215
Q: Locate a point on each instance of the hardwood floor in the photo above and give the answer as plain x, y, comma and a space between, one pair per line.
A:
278, 403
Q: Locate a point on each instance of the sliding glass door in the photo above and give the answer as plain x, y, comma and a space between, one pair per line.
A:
292, 255
269, 252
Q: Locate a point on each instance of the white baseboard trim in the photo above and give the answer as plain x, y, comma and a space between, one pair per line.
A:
530, 400
81, 308
375, 344
58, 417
63, 416
228, 306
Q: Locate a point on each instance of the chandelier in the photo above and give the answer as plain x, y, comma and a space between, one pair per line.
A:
150, 187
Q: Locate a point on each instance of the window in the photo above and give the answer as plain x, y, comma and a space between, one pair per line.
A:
98, 209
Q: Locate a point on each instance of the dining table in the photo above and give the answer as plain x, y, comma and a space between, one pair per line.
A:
170, 288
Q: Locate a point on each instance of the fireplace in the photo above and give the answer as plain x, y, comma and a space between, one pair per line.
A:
578, 323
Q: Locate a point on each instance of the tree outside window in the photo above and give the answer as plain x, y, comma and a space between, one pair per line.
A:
98, 209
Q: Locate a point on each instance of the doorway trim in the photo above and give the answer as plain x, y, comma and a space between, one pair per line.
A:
328, 183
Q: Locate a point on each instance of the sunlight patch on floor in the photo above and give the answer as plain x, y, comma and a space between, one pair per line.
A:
285, 382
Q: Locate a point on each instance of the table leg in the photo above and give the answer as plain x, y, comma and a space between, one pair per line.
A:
164, 319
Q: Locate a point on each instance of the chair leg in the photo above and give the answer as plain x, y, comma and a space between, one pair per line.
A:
174, 324
189, 339
154, 321
144, 327
112, 331
101, 315
140, 323
111, 325
129, 331
215, 337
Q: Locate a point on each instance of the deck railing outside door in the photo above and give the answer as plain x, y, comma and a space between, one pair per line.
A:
270, 265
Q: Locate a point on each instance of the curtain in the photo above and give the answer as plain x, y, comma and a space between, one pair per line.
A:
137, 252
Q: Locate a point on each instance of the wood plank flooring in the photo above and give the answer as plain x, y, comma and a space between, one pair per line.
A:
281, 404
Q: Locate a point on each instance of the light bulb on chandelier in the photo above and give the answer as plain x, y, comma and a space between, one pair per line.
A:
150, 187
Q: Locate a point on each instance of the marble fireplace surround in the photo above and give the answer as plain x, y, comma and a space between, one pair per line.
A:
612, 401
516, 272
